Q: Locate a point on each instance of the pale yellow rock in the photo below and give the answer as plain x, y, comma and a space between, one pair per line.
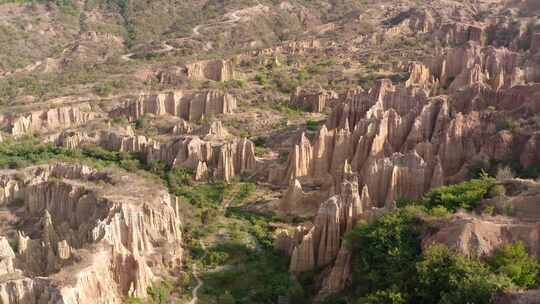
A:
217, 70
188, 105
201, 172
52, 119
95, 244
313, 101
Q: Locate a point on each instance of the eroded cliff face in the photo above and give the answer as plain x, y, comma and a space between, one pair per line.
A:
72, 234
191, 106
481, 235
314, 101
50, 120
216, 70
214, 155
317, 245
402, 141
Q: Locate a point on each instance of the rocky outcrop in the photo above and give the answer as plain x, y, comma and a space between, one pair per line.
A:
321, 244
473, 235
213, 131
519, 297
313, 101
402, 142
421, 76
455, 32
51, 120
472, 64
191, 106
83, 242
216, 155
299, 47
217, 70
181, 128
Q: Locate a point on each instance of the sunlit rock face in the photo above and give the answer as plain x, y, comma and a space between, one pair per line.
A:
76, 235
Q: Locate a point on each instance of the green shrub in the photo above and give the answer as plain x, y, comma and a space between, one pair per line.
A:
464, 195
236, 83
386, 251
203, 195
178, 177
103, 89
389, 266
532, 171
513, 261
141, 122
312, 125
496, 191
245, 190
284, 82
262, 79
506, 124
387, 296
216, 258
287, 109
259, 142
489, 210
160, 293
447, 277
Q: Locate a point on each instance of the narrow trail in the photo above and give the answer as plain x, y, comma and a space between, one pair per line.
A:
200, 283
166, 48
232, 18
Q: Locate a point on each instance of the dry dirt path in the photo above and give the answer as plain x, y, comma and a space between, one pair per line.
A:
200, 283
166, 48
233, 17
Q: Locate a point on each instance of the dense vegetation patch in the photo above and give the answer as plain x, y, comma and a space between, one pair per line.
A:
391, 267
466, 195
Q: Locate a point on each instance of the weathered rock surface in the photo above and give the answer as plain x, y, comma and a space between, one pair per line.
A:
520, 297
320, 245
403, 141
216, 155
51, 120
216, 70
313, 101
472, 235
191, 106
81, 242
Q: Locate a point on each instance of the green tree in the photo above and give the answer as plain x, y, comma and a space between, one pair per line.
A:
513, 261
450, 278
466, 195
386, 251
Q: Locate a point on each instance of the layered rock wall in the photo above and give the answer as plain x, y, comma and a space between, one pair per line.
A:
95, 243
217, 70
191, 106
52, 119
314, 102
